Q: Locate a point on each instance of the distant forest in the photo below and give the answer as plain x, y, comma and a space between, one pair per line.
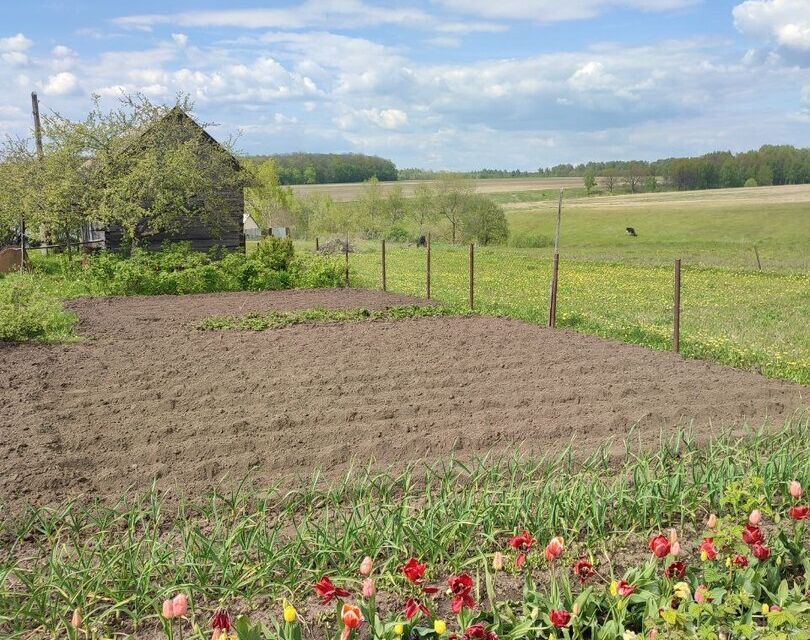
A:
330, 168
770, 165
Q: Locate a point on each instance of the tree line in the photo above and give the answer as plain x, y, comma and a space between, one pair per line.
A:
330, 168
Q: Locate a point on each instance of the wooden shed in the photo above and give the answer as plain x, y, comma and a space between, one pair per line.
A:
195, 231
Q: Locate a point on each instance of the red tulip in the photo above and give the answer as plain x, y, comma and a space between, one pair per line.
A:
708, 549
660, 546
461, 586
414, 571
799, 513
328, 591
555, 548
583, 570
624, 588
523, 543
676, 570
478, 631
560, 618
413, 606
752, 535
760, 551
741, 561
221, 620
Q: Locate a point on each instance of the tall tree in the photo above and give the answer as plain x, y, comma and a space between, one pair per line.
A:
452, 193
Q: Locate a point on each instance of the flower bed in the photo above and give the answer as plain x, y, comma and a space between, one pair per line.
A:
737, 580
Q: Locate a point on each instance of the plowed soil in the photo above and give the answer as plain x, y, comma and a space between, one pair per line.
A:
145, 395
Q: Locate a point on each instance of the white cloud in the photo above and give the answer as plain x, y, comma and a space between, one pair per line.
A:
16, 43
180, 39
785, 22
592, 77
556, 11
61, 51
15, 58
61, 84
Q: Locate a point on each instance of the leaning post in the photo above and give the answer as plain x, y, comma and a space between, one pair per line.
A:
346, 251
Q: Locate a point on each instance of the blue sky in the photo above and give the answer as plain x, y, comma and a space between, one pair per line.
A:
456, 84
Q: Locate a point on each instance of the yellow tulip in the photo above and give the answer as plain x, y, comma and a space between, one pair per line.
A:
290, 614
614, 588
682, 591
440, 627
399, 629
765, 609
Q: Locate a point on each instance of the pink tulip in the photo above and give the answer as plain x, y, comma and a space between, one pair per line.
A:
712, 521
795, 489
366, 566
675, 550
755, 518
555, 549
76, 619
216, 634
673, 536
369, 589
653, 634
497, 561
168, 609
701, 594
180, 605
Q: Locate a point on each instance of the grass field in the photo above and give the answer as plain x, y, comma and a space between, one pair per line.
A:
746, 319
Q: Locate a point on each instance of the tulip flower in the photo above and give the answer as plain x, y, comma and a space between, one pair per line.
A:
799, 513
653, 634
221, 621
583, 569
560, 618
755, 518
328, 591
76, 618
712, 521
676, 570
702, 594
399, 628
660, 546
497, 561
351, 615
523, 543
673, 536
369, 588
289, 612
707, 549
675, 550
795, 489
478, 631
624, 588
168, 609
752, 534
180, 605
366, 566
414, 606
555, 548
760, 552
682, 591
440, 627
740, 560
461, 588
414, 571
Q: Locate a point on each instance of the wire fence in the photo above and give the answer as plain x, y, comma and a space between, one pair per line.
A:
747, 319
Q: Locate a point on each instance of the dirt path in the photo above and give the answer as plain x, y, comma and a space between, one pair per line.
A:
147, 396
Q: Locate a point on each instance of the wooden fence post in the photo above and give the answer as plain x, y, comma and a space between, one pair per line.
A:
317, 246
472, 276
428, 266
756, 253
383, 265
676, 328
552, 307
346, 250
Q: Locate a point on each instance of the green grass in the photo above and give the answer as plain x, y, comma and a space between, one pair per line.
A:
280, 319
709, 235
249, 549
741, 318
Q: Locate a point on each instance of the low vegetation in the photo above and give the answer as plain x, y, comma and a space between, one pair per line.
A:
281, 319
31, 304
115, 564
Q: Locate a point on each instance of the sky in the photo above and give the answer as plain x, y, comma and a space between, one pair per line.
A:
442, 84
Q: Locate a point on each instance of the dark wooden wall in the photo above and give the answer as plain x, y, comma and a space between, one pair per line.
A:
200, 237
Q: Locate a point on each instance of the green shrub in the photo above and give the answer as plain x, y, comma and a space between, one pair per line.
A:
274, 253
751, 182
317, 271
29, 312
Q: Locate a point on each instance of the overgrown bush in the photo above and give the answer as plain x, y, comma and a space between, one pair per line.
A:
530, 241
29, 312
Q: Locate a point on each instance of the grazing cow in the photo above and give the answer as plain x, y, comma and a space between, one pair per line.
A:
422, 242
632, 232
